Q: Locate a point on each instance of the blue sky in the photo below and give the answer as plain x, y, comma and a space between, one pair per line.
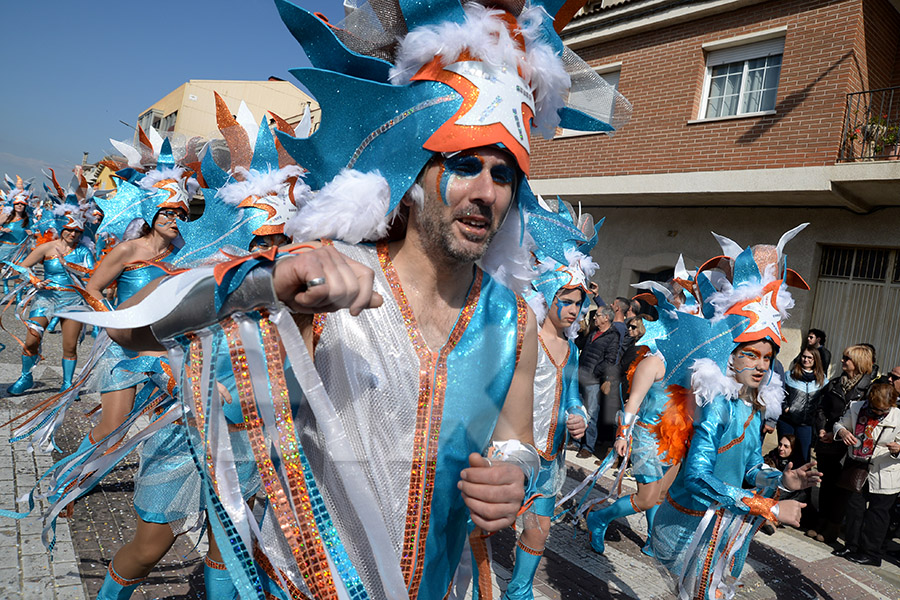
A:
72, 70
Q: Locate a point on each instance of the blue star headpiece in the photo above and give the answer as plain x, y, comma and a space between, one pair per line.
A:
459, 78
256, 198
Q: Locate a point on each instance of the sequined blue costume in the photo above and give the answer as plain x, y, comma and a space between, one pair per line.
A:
11, 241
416, 413
725, 455
647, 464
49, 301
113, 373
555, 397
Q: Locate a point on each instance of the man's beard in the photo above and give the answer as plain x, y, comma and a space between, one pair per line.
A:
438, 236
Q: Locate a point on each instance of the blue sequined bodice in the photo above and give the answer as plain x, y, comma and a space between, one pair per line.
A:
136, 275
16, 232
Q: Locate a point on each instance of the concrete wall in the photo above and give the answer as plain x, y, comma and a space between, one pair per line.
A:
635, 239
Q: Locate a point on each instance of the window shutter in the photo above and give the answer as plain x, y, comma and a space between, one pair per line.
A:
745, 52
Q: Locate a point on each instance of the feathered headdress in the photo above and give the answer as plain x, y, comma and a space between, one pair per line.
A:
459, 77
256, 196
563, 244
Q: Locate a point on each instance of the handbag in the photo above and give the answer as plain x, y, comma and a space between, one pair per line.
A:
853, 475
855, 472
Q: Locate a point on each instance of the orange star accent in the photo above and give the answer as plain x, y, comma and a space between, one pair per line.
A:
765, 320
451, 137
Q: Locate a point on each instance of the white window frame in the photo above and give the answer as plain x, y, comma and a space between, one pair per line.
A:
739, 49
600, 70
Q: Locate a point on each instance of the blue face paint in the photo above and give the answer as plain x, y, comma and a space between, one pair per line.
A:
470, 166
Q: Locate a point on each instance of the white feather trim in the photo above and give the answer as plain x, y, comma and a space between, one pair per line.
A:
581, 262
729, 295
506, 259
485, 36
352, 207
708, 381
416, 195
771, 393
254, 183
538, 305
133, 231
153, 177
5, 211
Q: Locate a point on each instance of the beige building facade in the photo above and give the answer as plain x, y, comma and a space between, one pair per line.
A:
190, 109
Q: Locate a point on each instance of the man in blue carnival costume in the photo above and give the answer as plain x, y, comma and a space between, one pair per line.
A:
433, 362
724, 491
559, 300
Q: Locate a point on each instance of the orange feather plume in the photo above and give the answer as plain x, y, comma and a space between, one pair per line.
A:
675, 426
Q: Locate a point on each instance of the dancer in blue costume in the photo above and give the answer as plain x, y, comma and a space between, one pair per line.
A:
247, 208
15, 222
65, 262
725, 492
425, 375
558, 299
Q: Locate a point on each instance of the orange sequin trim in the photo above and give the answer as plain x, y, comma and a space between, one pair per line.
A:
430, 403
548, 453
521, 322
482, 562
302, 537
214, 565
318, 327
121, 580
707, 563
528, 550
263, 561
680, 508
738, 439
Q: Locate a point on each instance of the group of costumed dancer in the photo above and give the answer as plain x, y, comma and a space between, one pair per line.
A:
368, 332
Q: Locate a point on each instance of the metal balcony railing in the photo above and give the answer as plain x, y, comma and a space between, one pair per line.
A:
871, 126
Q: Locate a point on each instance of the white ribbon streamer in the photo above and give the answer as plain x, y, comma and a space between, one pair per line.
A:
339, 450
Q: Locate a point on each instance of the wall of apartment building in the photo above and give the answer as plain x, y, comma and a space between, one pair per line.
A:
662, 73
196, 105
650, 239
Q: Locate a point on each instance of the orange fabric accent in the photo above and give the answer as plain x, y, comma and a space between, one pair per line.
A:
566, 13
222, 268
675, 426
761, 506
741, 309
521, 322
482, 563
707, 563
121, 580
527, 549
153, 262
739, 438
683, 509
237, 139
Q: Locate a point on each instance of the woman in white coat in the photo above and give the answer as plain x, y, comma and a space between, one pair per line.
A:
871, 430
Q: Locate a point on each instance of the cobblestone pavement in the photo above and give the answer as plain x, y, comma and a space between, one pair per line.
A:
784, 565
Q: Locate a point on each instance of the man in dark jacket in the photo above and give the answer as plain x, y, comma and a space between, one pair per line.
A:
596, 379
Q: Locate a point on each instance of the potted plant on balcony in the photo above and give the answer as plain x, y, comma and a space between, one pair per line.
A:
886, 147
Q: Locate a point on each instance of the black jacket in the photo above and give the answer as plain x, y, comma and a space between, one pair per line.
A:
598, 357
801, 401
833, 401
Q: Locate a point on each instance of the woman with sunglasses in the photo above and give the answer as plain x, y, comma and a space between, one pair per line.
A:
850, 386
64, 260
870, 432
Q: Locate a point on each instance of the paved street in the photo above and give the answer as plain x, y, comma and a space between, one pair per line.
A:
784, 565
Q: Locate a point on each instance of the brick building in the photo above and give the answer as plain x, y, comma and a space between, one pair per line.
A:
750, 117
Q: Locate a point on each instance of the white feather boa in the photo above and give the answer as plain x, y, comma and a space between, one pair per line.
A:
177, 173
254, 183
485, 36
352, 207
708, 381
